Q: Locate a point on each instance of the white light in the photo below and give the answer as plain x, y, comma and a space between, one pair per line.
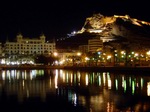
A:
55, 54
86, 80
74, 99
56, 62
148, 89
56, 79
86, 58
95, 31
74, 32
3, 61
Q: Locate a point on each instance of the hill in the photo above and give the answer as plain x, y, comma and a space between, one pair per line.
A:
112, 28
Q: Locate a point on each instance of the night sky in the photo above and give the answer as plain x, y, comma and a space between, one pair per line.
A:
57, 18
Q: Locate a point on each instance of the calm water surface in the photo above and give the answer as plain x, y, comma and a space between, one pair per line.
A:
73, 91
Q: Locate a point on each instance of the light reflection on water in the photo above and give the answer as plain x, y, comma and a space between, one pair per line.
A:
96, 91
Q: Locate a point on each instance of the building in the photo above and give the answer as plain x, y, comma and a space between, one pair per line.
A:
94, 45
30, 46
83, 48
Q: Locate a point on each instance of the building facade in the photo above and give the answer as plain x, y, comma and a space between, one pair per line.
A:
30, 46
94, 45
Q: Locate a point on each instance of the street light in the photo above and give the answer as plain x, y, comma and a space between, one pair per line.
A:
78, 54
55, 54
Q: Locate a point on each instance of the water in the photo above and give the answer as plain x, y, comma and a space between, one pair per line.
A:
73, 91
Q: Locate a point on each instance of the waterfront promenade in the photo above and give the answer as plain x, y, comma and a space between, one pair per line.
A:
83, 68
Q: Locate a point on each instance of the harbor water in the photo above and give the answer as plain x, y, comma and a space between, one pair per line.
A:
59, 90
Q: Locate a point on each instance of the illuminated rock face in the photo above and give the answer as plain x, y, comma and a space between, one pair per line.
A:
108, 27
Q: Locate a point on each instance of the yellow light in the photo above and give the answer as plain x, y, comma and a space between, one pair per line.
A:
86, 58
108, 57
132, 52
136, 54
148, 89
109, 84
122, 52
56, 79
86, 80
78, 54
55, 54
148, 53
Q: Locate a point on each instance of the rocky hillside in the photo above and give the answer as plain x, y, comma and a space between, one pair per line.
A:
112, 28
124, 26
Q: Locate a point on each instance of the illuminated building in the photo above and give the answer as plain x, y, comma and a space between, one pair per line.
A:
29, 46
94, 45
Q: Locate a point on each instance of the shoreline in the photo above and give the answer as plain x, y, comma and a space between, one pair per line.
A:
91, 68
112, 69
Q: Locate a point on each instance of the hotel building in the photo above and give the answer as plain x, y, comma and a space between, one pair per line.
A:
29, 46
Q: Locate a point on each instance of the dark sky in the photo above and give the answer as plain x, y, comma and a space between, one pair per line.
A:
56, 18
